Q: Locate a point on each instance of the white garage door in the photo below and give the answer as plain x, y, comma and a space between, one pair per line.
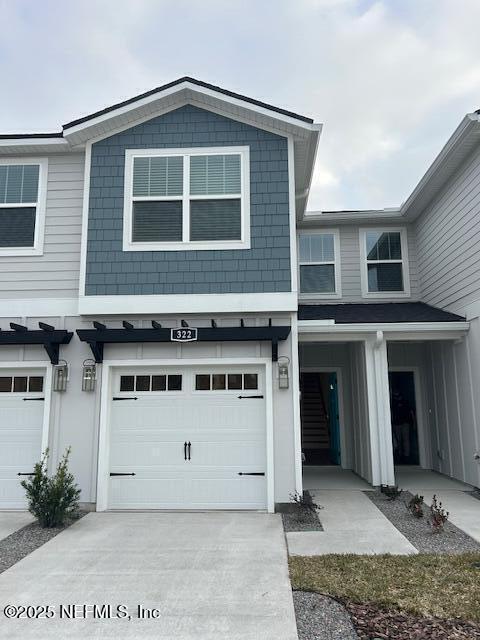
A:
21, 421
190, 438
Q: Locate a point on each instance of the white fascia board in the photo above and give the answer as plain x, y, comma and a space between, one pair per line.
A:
322, 326
201, 303
442, 166
348, 217
138, 104
33, 145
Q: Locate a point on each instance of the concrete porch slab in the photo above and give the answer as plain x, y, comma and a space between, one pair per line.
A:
464, 509
211, 575
352, 524
11, 521
332, 477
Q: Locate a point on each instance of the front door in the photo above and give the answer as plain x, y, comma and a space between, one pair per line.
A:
404, 417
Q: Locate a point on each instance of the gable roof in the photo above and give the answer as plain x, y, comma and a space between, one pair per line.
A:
302, 131
176, 83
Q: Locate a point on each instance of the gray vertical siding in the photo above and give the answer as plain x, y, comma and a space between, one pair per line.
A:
55, 274
265, 267
448, 237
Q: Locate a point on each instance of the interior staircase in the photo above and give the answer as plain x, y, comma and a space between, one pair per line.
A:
314, 417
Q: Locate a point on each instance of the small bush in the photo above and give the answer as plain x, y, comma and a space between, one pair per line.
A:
52, 500
415, 506
438, 515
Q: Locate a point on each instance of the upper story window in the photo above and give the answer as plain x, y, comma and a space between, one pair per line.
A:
319, 264
22, 206
177, 199
385, 262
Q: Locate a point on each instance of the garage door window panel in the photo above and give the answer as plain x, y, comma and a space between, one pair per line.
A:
145, 383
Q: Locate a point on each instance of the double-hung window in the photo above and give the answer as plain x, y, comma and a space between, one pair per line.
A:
177, 199
22, 206
385, 262
319, 267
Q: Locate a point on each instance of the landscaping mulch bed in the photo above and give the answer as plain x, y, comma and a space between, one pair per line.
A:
418, 530
321, 618
21, 543
307, 522
372, 621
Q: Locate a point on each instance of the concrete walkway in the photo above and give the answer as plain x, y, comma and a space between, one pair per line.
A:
352, 524
211, 575
11, 521
464, 509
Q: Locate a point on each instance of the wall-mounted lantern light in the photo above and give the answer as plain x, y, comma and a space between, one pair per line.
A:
89, 375
60, 376
283, 379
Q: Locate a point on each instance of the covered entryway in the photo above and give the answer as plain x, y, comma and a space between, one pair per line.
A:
22, 407
188, 437
405, 386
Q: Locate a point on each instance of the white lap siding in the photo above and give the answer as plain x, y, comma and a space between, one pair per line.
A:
55, 274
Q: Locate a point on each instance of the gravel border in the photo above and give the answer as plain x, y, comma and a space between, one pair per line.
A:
418, 530
308, 522
21, 543
321, 618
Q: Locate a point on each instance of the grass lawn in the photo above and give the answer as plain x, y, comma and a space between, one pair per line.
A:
447, 586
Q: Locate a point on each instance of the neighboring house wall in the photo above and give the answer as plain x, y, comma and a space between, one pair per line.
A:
265, 267
350, 259
55, 274
455, 382
448, 235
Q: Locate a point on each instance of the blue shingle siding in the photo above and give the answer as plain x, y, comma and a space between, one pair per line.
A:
265, 267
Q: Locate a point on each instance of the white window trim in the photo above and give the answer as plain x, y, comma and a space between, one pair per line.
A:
404, 262
336, 263
40, 208
187, 245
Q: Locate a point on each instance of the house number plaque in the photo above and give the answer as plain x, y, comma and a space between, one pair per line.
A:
184, 334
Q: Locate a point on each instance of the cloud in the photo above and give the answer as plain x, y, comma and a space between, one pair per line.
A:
389, 79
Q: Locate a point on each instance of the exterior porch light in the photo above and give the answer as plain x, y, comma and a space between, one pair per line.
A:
60, 376
283, 379
89, 375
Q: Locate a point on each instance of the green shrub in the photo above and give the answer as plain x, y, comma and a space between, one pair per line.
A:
52, 500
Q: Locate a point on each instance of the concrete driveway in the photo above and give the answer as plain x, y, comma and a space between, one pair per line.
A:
211, 576
11, 521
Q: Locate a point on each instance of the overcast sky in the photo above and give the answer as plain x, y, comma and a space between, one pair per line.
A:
390, 79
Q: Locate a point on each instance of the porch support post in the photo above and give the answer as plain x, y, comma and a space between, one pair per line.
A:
380, 425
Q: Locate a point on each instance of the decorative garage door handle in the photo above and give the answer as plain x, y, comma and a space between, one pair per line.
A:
255, 473
31, 473
32, 399
189, 449
247, 397
132, 398
185, 450
123, 474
